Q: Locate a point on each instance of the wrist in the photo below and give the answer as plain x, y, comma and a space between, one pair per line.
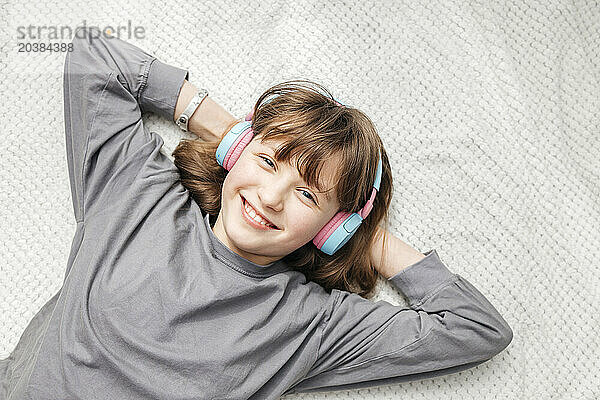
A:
390, 255
210, 121
186, 94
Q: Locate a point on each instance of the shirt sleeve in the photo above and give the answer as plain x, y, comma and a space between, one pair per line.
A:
449, 327
107, 85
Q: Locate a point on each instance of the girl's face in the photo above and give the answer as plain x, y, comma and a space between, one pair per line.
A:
276, 191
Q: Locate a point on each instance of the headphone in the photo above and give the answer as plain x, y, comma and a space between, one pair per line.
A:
339, 229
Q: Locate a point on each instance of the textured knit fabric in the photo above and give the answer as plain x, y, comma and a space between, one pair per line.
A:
154, 305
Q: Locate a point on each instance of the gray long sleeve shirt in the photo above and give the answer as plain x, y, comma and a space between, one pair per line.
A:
154, 306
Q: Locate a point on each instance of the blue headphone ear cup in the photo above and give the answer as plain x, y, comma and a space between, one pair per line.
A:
238, 147
233, 143
343, 225
337, 232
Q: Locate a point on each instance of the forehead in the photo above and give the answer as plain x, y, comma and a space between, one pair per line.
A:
328, 169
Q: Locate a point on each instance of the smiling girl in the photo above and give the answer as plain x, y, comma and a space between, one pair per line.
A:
212, 277
291, 176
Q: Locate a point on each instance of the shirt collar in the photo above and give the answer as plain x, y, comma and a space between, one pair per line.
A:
237, 262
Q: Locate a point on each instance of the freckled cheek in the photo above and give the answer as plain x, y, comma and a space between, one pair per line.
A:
240, 176
245, 172
306, 227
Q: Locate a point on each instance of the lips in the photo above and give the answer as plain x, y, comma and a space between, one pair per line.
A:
244, 202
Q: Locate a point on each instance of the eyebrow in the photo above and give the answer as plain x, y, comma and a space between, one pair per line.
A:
325, 193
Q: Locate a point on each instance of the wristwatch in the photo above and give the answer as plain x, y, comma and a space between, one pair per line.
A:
185, 116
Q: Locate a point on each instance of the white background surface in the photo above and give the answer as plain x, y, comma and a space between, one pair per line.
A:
490, 114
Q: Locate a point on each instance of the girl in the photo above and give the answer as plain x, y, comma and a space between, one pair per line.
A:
194, 281
320, 142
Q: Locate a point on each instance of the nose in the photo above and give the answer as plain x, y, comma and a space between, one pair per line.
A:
272, 194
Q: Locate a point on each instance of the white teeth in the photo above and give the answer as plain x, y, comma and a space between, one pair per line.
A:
255, 216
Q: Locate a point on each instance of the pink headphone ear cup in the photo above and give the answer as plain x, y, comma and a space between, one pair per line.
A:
330, 227
236, 150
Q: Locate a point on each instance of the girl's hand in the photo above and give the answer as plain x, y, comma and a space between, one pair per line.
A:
395, 256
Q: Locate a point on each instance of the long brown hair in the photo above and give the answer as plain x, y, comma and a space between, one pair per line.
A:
304, 116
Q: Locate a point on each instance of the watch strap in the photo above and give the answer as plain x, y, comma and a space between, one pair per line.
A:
186, 115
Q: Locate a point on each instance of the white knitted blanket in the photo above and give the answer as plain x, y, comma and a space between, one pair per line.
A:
490, 112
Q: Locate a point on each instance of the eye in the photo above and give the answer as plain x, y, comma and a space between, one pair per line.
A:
270, 164
309, 196
269, 161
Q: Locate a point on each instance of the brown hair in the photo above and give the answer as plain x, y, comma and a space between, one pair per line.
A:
304, 116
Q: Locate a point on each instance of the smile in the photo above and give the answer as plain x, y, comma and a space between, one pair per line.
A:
254, 219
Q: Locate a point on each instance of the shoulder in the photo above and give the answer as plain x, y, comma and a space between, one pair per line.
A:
307, 294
